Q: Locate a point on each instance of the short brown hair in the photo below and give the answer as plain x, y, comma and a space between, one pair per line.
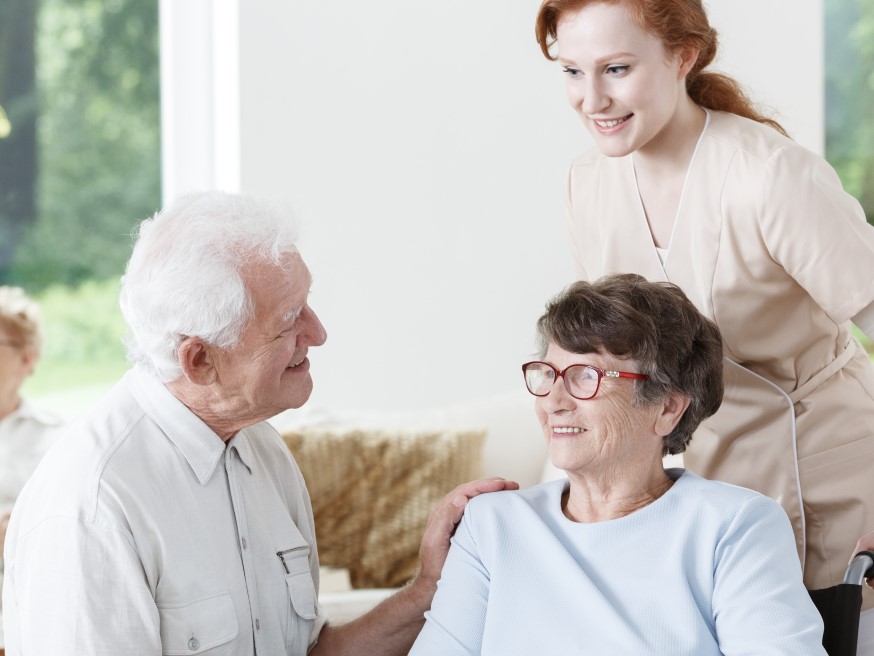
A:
656, 325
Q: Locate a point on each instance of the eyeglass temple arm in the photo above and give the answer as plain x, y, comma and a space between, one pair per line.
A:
625, 374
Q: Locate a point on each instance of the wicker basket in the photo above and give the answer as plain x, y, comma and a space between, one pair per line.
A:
372, 492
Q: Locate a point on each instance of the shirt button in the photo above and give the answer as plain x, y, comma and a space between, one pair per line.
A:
193, 644
245, 545
257, 624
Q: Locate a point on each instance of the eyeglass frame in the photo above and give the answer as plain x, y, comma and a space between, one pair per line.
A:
602, 373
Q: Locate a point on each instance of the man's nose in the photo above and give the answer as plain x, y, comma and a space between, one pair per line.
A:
315, 333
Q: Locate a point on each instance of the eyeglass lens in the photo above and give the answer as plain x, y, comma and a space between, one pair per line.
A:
580, 380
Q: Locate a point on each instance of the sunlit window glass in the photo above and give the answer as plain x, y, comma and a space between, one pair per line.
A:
79, 166
849, 96
849, 101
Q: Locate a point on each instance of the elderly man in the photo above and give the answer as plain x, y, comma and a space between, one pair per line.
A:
173, 520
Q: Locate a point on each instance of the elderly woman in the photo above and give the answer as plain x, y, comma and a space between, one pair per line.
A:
623, 557
25, 432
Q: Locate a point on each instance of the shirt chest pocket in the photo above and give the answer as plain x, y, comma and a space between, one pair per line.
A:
203, 626
301, 597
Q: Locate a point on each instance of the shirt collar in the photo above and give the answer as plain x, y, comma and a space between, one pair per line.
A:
26, 410
197, 442
241, 443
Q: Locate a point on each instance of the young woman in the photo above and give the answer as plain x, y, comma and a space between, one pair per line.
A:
689, 183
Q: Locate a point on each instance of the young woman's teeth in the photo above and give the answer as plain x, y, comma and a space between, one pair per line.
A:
568, 430
612, 123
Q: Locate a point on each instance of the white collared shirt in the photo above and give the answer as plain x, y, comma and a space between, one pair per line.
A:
143, 533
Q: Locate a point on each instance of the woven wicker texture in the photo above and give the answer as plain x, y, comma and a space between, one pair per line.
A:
372, 491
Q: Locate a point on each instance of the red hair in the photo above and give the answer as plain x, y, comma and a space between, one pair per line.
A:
680, 25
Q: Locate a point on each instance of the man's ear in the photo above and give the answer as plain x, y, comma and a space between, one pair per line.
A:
196, 359
672, 410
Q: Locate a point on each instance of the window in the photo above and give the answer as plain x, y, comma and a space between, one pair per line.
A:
849, 96
79, 167
849, 101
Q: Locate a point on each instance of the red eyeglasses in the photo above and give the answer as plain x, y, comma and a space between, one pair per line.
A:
581, 381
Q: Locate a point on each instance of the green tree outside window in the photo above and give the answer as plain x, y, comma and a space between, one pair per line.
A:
79, 167
849, 96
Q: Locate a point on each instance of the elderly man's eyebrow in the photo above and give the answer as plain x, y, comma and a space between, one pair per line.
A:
292, 315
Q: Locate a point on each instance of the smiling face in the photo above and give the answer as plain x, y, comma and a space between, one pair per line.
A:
608, 430
267, 371
626, 88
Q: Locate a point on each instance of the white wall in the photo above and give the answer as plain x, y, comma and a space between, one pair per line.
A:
776, 49
426, 146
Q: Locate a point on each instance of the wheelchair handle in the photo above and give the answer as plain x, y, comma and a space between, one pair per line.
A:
860, 568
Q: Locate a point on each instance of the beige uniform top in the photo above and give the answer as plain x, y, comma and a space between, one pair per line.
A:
767, 244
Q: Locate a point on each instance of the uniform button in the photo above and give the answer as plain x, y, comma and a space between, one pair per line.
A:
245, 544
193, 644
257, 624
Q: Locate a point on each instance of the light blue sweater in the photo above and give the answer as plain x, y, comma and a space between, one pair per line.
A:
708, 568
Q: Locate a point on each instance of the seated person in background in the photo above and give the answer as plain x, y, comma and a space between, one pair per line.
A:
623, 557
173, 519
25, 431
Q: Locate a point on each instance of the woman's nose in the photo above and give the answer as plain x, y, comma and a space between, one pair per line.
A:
558, 398
594, 99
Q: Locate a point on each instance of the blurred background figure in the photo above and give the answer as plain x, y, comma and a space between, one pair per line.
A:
25, 432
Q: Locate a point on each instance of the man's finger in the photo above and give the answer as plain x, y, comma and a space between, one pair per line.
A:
467, 491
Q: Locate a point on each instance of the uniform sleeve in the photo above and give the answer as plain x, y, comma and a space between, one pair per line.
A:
454, 625
77, 588
760, 605
818, 232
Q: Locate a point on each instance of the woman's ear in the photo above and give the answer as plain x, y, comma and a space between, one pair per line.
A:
196, 359
29, 358
672, 410
688, 58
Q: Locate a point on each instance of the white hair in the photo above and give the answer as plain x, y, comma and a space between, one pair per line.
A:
185, 275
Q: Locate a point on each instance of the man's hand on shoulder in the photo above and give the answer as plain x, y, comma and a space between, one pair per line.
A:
393, 625
441, 526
